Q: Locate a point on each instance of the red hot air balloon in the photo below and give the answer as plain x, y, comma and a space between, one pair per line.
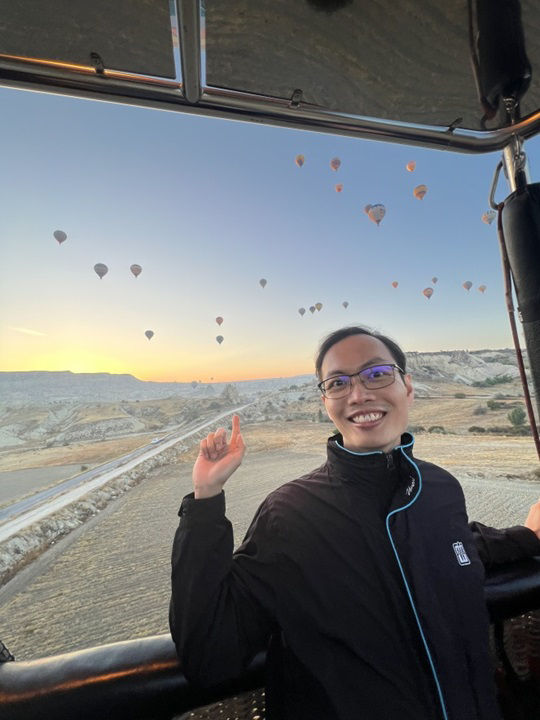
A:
299, 160
489, 216
101, 270
335, 163
219, 319
428, 292
136, 270
375, 212
420, 191
411, 166
395, 284
60, 236
339, 187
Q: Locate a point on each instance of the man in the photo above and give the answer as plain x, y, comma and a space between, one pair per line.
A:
362, 577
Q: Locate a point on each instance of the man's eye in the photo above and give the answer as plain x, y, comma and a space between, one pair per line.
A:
377, 372
335, 383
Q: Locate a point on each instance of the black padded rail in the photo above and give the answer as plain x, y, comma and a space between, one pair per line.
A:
142, 679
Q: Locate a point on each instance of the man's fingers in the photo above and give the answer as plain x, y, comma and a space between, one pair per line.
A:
235, 429
203, 448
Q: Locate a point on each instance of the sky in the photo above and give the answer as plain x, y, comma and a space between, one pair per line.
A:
208, 207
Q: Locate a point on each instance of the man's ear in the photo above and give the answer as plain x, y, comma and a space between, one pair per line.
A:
407, 380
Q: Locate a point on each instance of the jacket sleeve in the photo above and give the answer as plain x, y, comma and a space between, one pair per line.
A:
221, 605
502, 546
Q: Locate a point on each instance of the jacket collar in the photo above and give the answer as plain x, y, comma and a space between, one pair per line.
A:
351, 466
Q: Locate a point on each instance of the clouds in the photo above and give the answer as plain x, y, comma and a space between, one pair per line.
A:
27, 331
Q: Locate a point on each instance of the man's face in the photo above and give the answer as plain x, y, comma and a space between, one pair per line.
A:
367, 419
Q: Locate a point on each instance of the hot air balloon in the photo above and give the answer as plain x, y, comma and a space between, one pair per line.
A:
482, 288
335, 163
101, 270
428, 292
395, 284
312, 309
489, 216
375, 212
467, 285
149, 334
339, 187
420, 191
410, 166
299, 160
219, 339
219, 319
345, 304
434, 280
136, 270
318, 306
60, 236
262, 283
302, 311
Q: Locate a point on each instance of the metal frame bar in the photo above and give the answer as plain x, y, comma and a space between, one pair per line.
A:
189, 26
233, 105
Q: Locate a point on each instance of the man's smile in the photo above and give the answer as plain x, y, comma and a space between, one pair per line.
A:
367, 418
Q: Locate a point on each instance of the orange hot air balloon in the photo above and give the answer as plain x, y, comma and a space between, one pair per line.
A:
482, 288
467, 285
318, 306
335, 163
136, 270
149, 334
312, 309
410, 166
101, 270
395, 284
345, 304
420, 191
60, 236
339, 187
375, 212
262, 283
302, 311
489, 216
299, 160
219, 319
219, 339
428, 292
434, 280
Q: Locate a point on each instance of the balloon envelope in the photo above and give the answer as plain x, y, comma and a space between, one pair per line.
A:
482, 288
312, 309
149, 334
219, 319
262, 282
395, 284
345, 304
299, 160
434, 280
335, 163
136, 270
219, 339
302, 311
318, 306
101, 270
410, 166
428, 292
375, 212
420, 191
339, 187
489, 216
60, 235
467, 285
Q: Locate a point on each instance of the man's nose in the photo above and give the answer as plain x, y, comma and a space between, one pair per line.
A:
358, 390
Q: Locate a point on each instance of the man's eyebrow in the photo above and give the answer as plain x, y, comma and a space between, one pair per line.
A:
369, 363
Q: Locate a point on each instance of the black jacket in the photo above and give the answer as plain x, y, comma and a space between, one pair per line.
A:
364, 578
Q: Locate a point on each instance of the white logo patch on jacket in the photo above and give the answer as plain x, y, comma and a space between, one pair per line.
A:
461, 554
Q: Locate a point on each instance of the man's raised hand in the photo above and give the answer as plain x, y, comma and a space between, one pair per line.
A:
217, 460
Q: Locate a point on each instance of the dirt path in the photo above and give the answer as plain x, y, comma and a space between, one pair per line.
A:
111, 581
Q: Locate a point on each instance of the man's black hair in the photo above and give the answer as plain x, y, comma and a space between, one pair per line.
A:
338, 335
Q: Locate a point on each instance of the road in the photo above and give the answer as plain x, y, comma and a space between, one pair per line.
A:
21, 514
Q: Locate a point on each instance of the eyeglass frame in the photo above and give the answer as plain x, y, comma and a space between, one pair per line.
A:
359, 374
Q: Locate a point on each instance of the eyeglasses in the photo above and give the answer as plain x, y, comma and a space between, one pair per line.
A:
372, 378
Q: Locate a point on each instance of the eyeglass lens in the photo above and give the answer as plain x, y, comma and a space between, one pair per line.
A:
372, 378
